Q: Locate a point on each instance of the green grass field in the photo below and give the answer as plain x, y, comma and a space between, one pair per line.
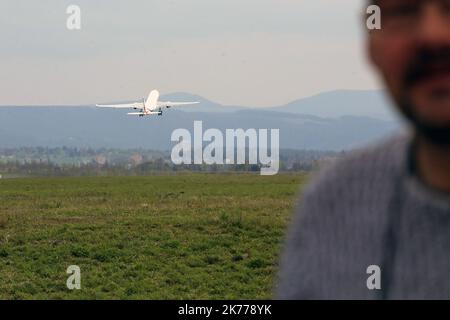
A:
190, 236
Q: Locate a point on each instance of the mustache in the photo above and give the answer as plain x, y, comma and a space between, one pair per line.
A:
427, 62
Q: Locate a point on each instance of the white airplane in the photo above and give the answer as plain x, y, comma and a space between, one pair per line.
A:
148, 107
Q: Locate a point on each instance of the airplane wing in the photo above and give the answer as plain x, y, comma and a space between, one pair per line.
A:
119, 106
136, 114
174, 104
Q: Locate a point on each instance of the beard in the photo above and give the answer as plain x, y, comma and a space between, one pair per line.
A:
426, 63
433, 133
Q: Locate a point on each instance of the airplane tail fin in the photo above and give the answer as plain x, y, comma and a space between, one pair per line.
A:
152, 101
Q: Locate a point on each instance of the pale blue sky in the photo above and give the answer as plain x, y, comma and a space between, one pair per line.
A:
236, 52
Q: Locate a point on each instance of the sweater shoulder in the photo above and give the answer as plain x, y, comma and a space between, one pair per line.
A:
339, 222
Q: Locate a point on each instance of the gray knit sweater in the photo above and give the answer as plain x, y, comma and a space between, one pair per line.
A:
368, 209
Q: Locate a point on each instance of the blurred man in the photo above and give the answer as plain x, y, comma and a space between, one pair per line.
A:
376, 225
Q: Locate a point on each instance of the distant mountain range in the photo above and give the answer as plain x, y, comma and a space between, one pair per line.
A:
330, 121
341, 103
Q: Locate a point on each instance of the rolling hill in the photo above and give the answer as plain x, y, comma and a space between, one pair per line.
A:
91, 127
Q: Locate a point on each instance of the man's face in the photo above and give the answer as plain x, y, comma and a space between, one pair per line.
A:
412, 53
